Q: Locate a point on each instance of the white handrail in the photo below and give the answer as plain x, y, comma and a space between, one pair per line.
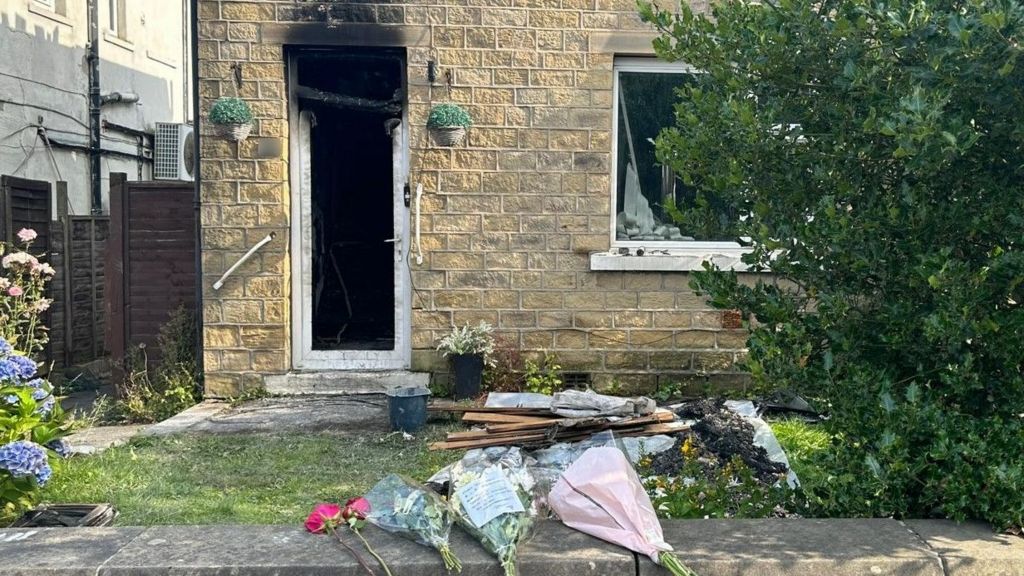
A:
219, 283
419, 247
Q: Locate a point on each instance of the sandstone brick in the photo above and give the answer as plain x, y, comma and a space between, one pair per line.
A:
538, 340
542, 300
501, 299
670, 360
222, 385
570, 340
517, 319
457, 299
218, 337
270, 361
707, 320
732, 339
672, 319
555, 319
712, 361
243, 311
474, 317
632, 319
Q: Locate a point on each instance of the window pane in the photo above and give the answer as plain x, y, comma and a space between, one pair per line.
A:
645, 190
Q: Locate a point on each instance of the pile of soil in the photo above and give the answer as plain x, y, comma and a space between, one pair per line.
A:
718, 436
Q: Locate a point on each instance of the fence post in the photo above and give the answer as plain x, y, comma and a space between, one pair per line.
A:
116, 275
65, 226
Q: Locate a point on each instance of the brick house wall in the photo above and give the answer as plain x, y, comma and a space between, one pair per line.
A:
509, 219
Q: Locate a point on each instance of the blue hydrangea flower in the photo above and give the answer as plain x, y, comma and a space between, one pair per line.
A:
5, 347
8, 369
23, 459
26, 367
61, 446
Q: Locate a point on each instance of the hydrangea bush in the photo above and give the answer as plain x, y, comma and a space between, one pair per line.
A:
31, 421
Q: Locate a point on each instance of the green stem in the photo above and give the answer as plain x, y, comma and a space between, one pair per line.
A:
370, 550
673, 565
351, 549
451, 561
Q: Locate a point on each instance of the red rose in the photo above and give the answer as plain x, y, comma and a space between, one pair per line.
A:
358, 508
322, 517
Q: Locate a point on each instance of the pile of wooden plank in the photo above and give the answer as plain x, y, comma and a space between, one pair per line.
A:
539, 427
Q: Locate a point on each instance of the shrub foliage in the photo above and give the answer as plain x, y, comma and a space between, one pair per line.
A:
876, 154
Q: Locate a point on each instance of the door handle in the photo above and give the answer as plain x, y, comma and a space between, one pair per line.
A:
395, 239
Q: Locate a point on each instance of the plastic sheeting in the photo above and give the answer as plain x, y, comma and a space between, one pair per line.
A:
763, 436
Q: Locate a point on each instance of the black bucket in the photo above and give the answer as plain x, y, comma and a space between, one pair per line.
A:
469, 372
407, 408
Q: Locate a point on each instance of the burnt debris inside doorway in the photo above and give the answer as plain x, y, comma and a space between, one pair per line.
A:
354, 98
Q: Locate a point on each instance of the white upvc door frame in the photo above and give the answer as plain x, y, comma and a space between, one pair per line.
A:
304, 357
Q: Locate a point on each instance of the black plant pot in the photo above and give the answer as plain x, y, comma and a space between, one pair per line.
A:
469, 372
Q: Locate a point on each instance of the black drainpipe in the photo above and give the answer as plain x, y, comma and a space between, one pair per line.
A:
196, 198
95, 102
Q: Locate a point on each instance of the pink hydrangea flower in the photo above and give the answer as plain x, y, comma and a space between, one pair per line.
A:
15, 291
27, 235
19, 259
44, 269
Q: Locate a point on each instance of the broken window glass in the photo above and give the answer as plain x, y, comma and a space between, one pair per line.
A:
652, 202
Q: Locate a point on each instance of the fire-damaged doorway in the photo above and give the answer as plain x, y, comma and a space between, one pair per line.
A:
348, 173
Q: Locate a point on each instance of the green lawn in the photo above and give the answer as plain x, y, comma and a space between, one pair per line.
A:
243, 479
802, 443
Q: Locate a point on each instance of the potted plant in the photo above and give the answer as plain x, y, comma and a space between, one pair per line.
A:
232, 118
447, 124
468, 348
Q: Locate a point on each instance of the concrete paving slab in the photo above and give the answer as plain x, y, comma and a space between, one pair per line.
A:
187, 419
972, 549
286, 551
797, 547
306, 414
63, 551
99, 438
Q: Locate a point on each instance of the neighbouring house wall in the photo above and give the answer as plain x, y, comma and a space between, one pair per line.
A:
45, 75
509, 219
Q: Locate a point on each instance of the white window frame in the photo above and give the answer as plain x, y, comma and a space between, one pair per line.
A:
685, 255
116, 19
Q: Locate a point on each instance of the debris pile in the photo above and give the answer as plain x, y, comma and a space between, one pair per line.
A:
566, 417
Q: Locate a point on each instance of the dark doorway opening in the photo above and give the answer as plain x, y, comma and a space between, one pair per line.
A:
354, 97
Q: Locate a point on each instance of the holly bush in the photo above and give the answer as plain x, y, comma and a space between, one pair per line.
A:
875, 153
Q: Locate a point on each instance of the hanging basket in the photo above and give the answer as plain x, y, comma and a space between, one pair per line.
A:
233, 132
448, 135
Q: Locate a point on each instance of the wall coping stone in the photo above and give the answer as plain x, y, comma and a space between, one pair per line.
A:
712, 547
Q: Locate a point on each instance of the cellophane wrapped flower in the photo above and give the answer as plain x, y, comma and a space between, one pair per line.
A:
492, 497
402, 506
23, 459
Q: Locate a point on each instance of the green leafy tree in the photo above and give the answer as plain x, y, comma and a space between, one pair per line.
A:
875, 154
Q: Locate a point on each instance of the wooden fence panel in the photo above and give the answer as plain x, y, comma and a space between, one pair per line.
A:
151, 262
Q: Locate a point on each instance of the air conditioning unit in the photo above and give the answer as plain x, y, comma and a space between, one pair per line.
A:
174, 155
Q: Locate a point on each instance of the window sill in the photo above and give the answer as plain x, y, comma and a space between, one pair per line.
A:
676, 260
49, 14
118, 41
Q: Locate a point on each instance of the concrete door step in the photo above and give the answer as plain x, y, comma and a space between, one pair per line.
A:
343, 382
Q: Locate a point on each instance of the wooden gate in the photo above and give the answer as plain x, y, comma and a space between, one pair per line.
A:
151, 266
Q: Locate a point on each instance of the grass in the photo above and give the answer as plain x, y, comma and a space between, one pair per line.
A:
803, 443
240, 479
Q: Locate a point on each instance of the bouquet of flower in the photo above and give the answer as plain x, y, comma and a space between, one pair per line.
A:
601, 495
402, 506
492, 497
